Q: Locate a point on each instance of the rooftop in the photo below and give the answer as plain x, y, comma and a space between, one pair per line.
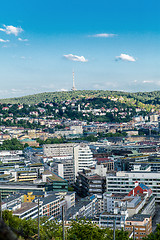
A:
49, 199
25, 207
138, 217
12, 197
55, 177
144, 187
36, 164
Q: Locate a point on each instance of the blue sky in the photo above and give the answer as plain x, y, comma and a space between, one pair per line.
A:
111, 45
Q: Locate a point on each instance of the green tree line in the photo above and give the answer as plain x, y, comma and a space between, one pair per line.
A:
12, 144
52, 230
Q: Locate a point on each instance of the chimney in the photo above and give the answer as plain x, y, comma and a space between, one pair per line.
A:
136, 184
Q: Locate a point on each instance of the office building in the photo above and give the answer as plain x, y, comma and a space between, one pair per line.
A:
139, 225
123, 182
85, 208
14, 156
64, 167
64, 149
89, 184
50, 206
27, 210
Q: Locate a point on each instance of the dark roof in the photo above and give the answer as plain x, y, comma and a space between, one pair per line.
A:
12, 197
36, 164
49, 199
138, 217
78, 205
94, 176
34, 192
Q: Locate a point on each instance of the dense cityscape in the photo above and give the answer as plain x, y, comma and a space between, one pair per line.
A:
79, 120
71, 168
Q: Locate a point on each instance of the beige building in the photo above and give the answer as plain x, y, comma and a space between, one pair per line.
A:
139, 225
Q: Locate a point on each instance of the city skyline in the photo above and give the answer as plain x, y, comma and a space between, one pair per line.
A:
111, 46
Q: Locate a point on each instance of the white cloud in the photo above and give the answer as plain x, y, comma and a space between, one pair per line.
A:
11, 30
22, 40
4, 41
148, 81
125, 57
103, 35
63, 90
76, 58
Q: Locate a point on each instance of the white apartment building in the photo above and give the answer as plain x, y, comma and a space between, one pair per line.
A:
64, 149
79, 157
83, 157
123, 182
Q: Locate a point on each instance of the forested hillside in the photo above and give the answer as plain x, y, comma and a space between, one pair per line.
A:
143, 97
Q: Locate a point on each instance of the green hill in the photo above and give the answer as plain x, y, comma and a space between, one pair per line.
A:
89, 105
143, 97
57, 96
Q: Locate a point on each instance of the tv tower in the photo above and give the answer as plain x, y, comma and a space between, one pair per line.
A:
73, 88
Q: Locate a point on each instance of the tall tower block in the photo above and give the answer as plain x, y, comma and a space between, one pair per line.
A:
73, 88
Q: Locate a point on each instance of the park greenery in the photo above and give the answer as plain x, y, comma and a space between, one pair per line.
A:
12, 144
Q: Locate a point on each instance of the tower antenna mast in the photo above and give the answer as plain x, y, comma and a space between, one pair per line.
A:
73, 88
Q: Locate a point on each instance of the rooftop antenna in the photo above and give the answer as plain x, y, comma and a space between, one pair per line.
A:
73, 88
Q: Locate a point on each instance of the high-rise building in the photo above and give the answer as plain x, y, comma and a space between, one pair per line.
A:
90, 184
76, 156
83, 157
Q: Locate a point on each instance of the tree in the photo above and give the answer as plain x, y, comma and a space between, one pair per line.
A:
12, 144
83, 230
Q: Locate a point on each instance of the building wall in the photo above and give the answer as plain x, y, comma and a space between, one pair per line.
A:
51, 209
150, 207
123, 182
58, 149
90, 184
64, 167
142, 228
83, 157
